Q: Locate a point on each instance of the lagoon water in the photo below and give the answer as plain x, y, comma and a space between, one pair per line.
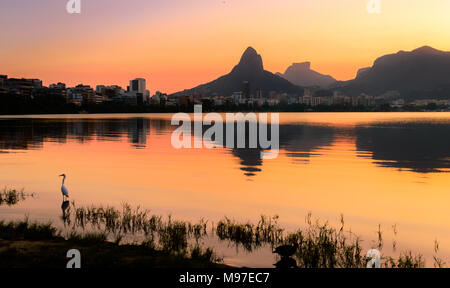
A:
374, 168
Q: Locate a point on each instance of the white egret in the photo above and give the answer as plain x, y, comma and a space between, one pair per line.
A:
64, 190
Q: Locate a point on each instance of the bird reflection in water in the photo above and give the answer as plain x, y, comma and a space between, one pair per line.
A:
64, 207
286, 252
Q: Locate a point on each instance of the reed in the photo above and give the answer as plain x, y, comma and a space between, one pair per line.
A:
170, 236
320, 245
204, 255
250, 236
26, 230
323, 246
10, 197
30, 245
88, 238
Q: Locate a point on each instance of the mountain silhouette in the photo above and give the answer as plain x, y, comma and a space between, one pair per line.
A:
251, 69
418, 74
302, 75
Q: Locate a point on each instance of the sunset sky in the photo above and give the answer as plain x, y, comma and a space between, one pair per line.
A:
177, 44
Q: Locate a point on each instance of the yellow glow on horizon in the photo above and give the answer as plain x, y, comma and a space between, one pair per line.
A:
181, 50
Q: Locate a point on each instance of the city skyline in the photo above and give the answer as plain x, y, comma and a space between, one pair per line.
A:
106, 45
248, 85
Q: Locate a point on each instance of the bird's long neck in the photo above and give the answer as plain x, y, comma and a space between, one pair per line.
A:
64, 179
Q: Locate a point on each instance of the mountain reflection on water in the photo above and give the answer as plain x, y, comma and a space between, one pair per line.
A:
422, 147
419, 147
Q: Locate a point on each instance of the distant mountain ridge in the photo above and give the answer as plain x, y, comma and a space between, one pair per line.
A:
422, 73
251, 69
418, 74
302, 75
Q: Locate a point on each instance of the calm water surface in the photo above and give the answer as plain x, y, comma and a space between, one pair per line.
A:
375, 168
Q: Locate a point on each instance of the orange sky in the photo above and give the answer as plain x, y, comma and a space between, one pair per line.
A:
177, 44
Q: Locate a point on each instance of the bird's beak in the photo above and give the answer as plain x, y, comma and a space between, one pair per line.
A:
61, 175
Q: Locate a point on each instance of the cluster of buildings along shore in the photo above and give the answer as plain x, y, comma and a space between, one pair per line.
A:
137, 94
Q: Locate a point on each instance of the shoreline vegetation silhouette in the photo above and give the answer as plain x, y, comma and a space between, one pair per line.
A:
113, 108
11, 197
133, 237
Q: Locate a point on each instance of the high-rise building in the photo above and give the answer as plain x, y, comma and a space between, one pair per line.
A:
3, 79
23, 87
185, 100
113, 92
259, 94
81, 93
238, 98
33, 83
52, 96
100, 89
246, 89
138, 85
58, 91
139, 90
57, 86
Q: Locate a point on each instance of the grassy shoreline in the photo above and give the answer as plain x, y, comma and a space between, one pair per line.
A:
106, 237
32, 245
35, 245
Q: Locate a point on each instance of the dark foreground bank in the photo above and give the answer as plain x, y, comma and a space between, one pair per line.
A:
105, 237
26, 245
